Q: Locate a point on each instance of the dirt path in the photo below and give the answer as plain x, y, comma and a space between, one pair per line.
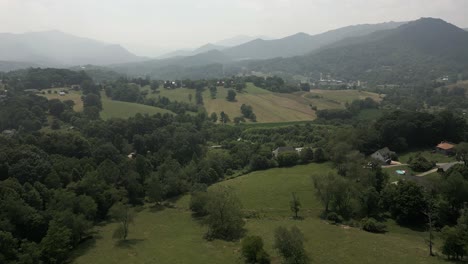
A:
438, 165
427, 172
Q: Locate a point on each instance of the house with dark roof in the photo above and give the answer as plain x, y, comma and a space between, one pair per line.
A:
281, 150
445, 148
384, 155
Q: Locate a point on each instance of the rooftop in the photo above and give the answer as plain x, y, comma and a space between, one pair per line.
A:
445, 145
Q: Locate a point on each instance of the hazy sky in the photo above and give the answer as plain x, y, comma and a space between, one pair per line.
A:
149, 27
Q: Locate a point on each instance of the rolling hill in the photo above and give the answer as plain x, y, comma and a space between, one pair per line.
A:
268, 106
158, 235
55, 48
182, 64
185, 53
171, 66
239, 39
301, 43
6, 66
420, 50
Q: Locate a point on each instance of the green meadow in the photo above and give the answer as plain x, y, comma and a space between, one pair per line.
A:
270, 107
118, 109
171, 235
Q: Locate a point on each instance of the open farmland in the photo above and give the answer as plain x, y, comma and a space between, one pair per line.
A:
159, 235
75, 96
112, 108
268, 106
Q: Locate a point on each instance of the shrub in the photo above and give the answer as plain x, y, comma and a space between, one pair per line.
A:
420, 164
198, 202
290, 245
334, 217
288, 159
252, 250
371, 225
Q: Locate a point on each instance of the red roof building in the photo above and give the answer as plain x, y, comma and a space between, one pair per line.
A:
446, 148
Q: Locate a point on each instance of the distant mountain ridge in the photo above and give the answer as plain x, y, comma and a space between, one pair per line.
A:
239, 40
420, 50
185, 53
297, 44
55, 48
151, 67
6, 66
301, 43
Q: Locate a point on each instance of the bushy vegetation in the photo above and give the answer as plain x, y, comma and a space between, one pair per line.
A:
371, 225
290, 245
253, 252
420, 163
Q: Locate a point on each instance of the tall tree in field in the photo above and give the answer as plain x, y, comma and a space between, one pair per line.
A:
430, 213
224, 118
295, 205
324, 189
290, 245
123, 214
154, 188
224, 218
214, 117
231, 95
253, 252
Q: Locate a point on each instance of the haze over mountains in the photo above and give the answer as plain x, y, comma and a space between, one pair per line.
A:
219, 45
55, 48
389, 49
297, 44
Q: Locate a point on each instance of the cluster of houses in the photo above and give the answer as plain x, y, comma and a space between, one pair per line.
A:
385, 156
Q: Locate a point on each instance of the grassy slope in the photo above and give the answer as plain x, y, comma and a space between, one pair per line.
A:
75, 96
179, 94
172, 236
110, 108
125, 109
268, 106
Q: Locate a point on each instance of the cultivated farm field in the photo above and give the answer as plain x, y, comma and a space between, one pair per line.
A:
269, 107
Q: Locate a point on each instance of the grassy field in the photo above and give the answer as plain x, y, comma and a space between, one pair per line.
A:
179, 94
267, 106
111, 108
270, 107
172, 236
394, 176
75, 96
